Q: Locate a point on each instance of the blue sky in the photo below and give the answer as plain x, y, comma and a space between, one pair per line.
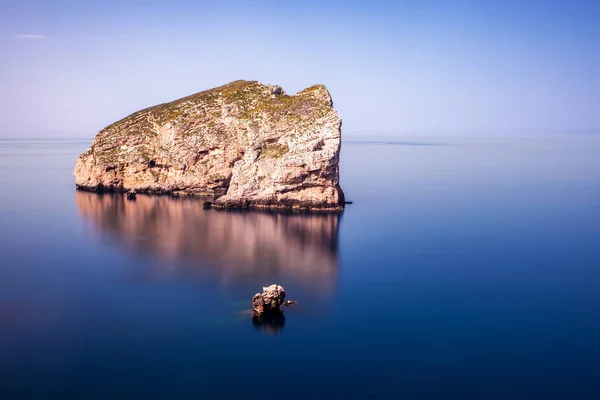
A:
69, 68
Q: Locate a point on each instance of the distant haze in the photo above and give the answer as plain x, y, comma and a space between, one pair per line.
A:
69, 68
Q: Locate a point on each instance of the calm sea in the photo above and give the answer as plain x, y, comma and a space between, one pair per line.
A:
466, 268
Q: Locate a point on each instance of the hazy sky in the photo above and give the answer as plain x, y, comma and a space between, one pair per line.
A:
71, 67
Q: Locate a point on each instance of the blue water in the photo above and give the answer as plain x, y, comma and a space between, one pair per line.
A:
465, 268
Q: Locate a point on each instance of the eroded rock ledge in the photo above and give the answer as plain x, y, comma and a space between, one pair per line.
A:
245, 143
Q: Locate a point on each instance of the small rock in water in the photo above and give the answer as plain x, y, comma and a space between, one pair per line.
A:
269, 300
131, 195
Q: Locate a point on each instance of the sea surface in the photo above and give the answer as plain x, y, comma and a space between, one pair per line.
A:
465, 268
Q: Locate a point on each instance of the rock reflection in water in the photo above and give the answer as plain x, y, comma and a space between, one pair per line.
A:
239, 247
270, 323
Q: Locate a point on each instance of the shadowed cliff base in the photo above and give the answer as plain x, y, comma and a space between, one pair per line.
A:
236, 247
273, 203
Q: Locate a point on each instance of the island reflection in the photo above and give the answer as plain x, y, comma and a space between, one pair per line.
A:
238, 247
269, 323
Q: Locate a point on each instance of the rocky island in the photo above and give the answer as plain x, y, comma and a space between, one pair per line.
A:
246, 144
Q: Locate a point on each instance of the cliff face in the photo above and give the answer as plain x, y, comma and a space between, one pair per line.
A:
247, 144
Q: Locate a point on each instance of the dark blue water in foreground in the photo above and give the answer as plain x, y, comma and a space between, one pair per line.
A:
466, 268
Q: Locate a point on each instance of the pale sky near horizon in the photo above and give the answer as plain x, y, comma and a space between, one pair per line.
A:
69, 67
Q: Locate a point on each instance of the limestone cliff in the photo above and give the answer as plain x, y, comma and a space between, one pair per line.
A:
245, 143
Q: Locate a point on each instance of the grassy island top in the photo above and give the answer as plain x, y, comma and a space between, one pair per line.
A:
247, 100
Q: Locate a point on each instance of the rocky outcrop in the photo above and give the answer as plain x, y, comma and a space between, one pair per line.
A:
245, 143
269, 301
